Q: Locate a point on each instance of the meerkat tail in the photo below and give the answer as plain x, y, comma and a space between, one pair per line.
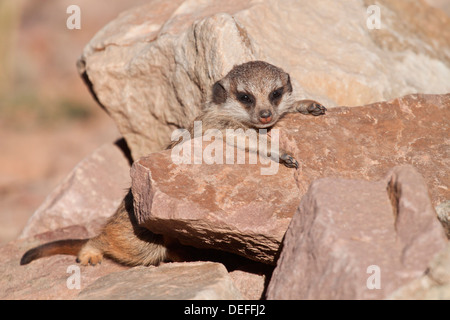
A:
69, 247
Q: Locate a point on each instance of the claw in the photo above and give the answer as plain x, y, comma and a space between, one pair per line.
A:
289, 161
316, 109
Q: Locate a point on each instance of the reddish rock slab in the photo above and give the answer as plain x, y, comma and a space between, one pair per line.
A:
365, 142
231, 207
355, 239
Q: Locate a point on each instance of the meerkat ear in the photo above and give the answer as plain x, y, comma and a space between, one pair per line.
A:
219, 92
288, 83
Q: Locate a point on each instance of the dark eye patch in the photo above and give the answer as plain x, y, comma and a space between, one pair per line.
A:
245, 98
276, 94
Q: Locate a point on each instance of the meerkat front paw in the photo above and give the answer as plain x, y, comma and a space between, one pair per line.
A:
89, 255
288, 160
316, 109
309, 107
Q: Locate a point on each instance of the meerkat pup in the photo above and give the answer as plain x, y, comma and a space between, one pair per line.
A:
252, 95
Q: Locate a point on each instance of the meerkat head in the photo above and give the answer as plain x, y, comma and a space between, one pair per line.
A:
255, 93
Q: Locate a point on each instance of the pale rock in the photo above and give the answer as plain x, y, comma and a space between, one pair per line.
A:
171, 281
88, 195
153, 67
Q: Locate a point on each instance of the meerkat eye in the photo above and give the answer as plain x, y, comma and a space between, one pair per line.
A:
276, 94
245, 98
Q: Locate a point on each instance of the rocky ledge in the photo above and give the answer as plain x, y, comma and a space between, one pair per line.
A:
366, 214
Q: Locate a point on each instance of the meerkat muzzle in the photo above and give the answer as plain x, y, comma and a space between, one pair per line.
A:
265, 116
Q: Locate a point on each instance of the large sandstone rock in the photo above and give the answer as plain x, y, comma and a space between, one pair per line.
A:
153, 66
88, 195
172, 281
231, 207
355, 239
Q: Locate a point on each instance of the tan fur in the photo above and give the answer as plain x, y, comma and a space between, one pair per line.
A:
122, 239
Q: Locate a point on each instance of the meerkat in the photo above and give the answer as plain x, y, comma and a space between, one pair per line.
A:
254, 95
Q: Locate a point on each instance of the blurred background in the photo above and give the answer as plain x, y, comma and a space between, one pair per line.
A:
48, 119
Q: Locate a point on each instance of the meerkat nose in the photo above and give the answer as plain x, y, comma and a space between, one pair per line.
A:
265, 116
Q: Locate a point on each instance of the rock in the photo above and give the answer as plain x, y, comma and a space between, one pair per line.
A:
443, 212
171, 281
220, 206
47, 278
434, 285
365, 142
355, 239
88, 195
153, 67
250, 285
